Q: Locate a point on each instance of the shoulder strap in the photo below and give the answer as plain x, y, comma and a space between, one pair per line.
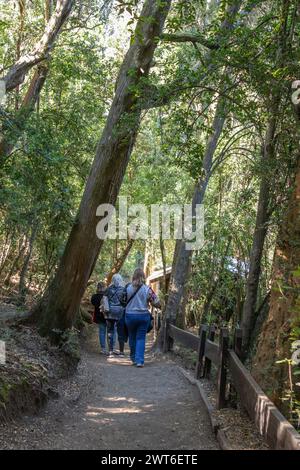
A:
133, 295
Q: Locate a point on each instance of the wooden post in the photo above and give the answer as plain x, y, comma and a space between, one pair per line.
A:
207, 362
237, 342
168, 341
166, 334
154, 314
201, 350
221, 380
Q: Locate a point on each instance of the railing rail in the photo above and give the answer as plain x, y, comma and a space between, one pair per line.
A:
272, 425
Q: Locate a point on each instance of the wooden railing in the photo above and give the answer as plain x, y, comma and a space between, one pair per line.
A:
272, 425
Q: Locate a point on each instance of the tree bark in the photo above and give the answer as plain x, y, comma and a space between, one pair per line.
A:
274, 341
61, 301
17, 72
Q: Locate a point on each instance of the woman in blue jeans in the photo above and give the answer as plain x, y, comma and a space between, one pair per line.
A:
137, 315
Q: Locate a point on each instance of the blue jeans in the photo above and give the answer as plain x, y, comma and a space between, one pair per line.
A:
137, 324
102, 335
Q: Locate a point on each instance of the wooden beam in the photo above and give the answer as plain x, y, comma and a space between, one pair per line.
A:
186, 338
272, 425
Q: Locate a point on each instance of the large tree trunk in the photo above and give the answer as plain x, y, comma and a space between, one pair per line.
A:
61, 301
284, 313
17, 72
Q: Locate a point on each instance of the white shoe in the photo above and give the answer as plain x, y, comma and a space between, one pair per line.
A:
110, 354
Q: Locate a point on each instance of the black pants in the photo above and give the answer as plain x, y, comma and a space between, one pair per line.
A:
110, 333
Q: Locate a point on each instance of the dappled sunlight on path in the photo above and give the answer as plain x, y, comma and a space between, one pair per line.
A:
122, 407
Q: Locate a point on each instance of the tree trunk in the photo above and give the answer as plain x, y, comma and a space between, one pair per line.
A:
260, 232
15, 262
248, 317
31, 97
181, 266
214, 285
17, 72
21, 5
120, 261
61, 301
7, 142
22, 287
183, 257
274, 342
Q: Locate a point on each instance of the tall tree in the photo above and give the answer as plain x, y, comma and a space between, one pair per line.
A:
60, 304
31, 97
182, 256
267, 164
17, 72
274, 342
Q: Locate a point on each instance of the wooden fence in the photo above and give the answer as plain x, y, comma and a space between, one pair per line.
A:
277, 431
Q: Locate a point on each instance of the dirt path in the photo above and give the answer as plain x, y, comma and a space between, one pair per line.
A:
110, 404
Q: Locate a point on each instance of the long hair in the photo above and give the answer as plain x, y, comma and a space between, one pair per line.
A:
117, 280
138, 278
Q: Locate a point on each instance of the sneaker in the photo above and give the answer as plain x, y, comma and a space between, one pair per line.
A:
122, 354
140, 365
110, 354
103, 351
116, 353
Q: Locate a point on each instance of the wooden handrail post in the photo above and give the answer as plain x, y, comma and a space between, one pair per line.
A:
201, 350
168, 341
166, 335
207, 362
221, 380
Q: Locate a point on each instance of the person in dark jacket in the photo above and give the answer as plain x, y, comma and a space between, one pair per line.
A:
99, 317
115, 320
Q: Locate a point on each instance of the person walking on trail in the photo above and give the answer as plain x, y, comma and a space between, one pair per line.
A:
98, 316
137, 316
117, 300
